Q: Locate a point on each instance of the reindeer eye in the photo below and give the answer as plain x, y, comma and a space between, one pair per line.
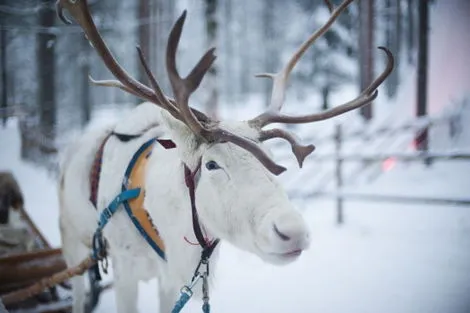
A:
212, 165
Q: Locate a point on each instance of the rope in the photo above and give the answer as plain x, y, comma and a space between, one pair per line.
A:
48, 282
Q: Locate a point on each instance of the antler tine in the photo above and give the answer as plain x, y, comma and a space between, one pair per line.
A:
280, 78
222, 135
156, 87
112, 83
300, 151
368, 95
60, 13
183, 88
330, 6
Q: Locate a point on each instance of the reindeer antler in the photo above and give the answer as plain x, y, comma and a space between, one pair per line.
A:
273, 115
201, 125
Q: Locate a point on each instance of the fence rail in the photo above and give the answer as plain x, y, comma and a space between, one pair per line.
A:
417, 126
386, 198
371, 157
369, 161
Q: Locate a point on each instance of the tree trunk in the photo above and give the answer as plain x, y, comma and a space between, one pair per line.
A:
325, 95
85, 91
163, 17
366, 40
155, 32
3, 65
46, 70
212, 32
411, 30
422, 83
244, 51
398, 28
229, 59
270, 59
143, 17
393, 42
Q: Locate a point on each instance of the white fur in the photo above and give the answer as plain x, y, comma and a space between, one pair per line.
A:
239, 203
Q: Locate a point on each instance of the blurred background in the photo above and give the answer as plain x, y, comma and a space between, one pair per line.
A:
45, 64
387, 189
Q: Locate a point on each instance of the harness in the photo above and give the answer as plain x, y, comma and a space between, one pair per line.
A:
132, 198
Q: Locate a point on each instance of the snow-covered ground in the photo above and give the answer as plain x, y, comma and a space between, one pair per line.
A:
386, 258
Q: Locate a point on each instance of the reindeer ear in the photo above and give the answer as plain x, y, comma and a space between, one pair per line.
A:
182, 136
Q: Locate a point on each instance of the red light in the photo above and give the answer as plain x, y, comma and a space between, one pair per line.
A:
388, 164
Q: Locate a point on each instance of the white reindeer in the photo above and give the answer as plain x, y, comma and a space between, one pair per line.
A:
236, 196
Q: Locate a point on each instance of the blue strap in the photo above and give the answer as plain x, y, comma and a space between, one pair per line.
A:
186, 294
114, 205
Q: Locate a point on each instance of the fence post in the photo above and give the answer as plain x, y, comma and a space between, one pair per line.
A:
338, 172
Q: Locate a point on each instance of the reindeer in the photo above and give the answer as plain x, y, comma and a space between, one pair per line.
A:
204, 181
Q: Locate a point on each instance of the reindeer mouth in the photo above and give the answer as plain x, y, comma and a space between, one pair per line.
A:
289, 255
294, 253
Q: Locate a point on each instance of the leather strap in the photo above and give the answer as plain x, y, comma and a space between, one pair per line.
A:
95, 172
208, 247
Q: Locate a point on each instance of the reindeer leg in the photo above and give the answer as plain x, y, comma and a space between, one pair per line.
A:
168, 297
125, 286
74, 252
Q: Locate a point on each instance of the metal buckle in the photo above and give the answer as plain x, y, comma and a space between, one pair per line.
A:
107, 213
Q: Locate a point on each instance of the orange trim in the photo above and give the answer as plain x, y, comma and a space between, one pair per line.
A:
137, 180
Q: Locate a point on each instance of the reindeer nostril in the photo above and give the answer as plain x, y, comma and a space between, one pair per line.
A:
280, 234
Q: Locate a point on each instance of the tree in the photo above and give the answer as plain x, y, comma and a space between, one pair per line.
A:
271, 45
366, 42
411, 31
392, 41
3, 65
85, 84
330, 53
212, 33
143, 35
229, 49
46, 69
422, 77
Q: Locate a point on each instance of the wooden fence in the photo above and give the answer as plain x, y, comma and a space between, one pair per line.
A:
415, 128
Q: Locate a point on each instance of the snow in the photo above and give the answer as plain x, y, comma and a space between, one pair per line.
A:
387, 257
38, 186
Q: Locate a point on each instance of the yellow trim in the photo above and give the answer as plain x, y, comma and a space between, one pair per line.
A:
137, 180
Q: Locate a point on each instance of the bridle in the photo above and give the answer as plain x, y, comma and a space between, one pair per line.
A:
190, 180
202, 269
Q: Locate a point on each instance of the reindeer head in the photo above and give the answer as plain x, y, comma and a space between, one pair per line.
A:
238, 198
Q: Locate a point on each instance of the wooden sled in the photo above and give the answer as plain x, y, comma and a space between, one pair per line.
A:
36, 260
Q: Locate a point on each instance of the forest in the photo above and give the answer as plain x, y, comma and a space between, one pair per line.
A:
46, 64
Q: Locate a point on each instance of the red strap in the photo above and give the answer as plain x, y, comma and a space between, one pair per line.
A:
167, 143
95, 172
